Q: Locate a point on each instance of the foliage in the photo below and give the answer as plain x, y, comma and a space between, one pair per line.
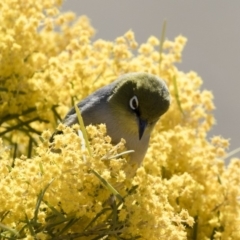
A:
183, 190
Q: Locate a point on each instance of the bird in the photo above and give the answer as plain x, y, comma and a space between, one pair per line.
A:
130, 107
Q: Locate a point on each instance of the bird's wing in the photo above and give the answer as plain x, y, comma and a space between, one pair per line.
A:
88, 106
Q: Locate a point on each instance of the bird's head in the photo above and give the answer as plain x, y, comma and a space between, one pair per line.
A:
138, 100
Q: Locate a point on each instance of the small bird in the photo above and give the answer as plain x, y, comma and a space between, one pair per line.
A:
130, 107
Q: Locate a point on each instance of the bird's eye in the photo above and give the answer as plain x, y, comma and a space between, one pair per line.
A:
133, 103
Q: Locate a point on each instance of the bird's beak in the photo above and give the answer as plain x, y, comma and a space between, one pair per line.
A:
141, 127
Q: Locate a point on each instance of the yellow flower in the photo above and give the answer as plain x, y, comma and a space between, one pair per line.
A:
183, 184
129, 35
153, 41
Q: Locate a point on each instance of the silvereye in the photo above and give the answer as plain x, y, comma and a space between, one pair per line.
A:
130, 107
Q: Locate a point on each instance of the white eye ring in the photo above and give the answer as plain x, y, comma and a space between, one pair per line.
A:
133, 103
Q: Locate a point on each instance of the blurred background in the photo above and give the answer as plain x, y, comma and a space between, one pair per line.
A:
213, 48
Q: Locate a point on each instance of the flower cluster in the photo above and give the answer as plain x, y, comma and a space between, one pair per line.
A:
68, 183
65, 190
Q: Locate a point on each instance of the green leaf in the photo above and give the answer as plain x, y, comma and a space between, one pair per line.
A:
232, 153
39, 200
176, 94
107, 157
108, 186
162, 39
8, 229
83, 129
29, 225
